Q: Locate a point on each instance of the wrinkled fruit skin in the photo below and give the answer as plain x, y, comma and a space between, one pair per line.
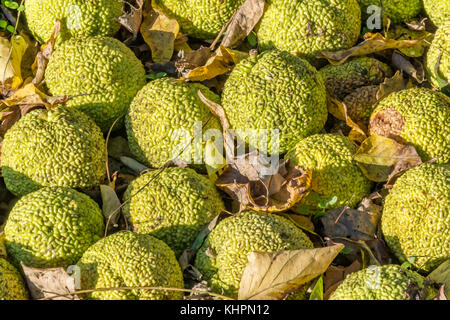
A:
102, 72
78, 17
416, 116
52, 227
309, 27
58, 147
164, 117
128, 259
275, 90
202, 19
224, 254
388, 282
438, 11
415, 220
331, 157
437, 57
396, 10
342, 80
12, 286
173, 207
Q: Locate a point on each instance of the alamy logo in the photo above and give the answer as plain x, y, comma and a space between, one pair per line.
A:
373, 282
73, 14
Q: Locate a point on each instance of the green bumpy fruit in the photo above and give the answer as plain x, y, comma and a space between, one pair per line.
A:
52, 227
164, 117
128, 259
224, 254
438, 11
335, 173
12, 286
101, 73
416, 220
202, 19
79, 18
416, 116
275, 91
309, 27
437, 60
342, 80
388, 282
173, 206
396, 10
58, 147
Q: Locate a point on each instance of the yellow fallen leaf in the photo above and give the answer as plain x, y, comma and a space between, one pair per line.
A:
339, 111
270, 276
11, 54
159, 32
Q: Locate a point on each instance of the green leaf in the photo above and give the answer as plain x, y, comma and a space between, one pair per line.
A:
11, 5
11, 29
3, 24
406, 265
252, 39
159, 75
302, 209
317, 291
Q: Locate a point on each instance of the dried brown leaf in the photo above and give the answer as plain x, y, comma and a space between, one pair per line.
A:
132, 20
339, 110
46, 283
270, 276
110, 205
40, 64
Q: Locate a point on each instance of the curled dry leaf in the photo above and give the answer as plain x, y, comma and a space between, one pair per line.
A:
243, 22
159, 32
357, 224
52, 284
133, 164
336, 274
40, 64
400, 62
188, 61
244, 180
221, 62
393, 84
11, 55
301, 221
110, 206
271, 276
339, 110
381, 158
372, 43
132, 20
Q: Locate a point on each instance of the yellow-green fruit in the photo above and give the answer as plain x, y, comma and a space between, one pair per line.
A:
224, 254
202, 19
58, 147
52, 227
173, 205
275, 91
388, 282
309, 27
79, 18
416, 220
416, 116
335, 173
128, 259
396, 10
163, 119
437, 60
438, 11
101, 73
12, 286
342, 80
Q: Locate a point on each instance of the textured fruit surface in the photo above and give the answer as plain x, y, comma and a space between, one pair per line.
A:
416, 220
78, 17
388, 282
12, 286
396, 10
309, 27
101, 72
224, 254
59, 147
335, 173
128, 259
173, 206
275, 91
201, 19
437, 10
52, 227
164, 117
342, 80
437, 61
417, 116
